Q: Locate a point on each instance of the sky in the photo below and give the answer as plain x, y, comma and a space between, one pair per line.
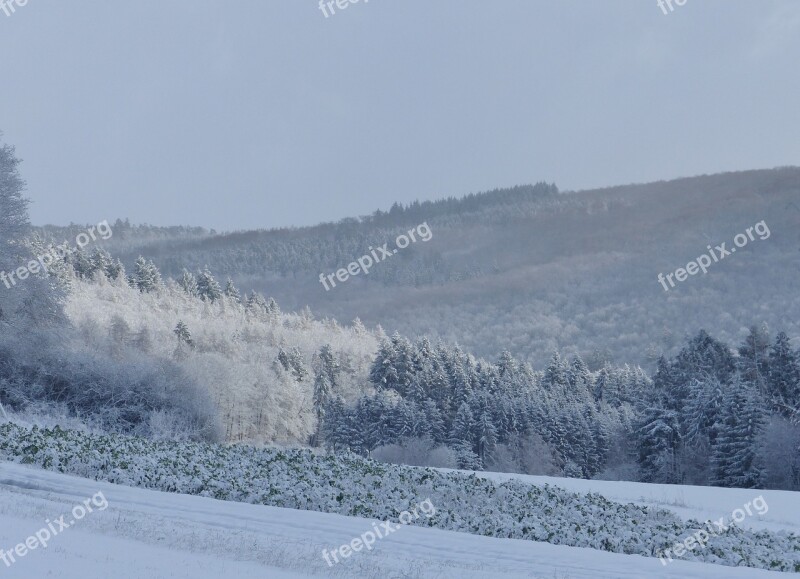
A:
266, 113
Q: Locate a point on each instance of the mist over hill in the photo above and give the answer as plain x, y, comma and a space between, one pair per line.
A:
531, 269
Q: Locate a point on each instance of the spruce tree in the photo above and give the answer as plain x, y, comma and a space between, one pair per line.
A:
207, 287
146, 276
231, 292
784, 376
383, 374
659, 443
188, 283
742, 418
753, 359
325, 385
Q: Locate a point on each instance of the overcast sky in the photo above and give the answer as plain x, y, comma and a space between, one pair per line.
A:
262, 113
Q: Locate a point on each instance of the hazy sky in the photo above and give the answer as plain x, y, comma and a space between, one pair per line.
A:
261, 113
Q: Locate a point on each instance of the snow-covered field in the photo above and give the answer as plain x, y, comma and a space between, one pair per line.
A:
150, 534
688, 502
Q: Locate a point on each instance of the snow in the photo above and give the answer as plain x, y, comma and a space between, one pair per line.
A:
687, 502
150, 534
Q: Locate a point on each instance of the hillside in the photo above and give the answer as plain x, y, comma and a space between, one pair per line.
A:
532, 270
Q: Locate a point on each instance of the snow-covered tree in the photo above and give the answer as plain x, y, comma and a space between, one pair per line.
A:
146, 276
326, 383
33, 298
188, 283
207, 287
231, 291
741, 424
784, 376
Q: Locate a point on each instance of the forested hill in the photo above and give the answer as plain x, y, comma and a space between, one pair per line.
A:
531, 269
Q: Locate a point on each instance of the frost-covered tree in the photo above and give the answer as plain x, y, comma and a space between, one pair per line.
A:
183, 334
292, 362
231, 291
82, 265
741, 424
383, 373
207, 287
556, 375
659, 442
146, 276
754, 357
486, 435
188, 283
784, 376
326, 383
256, 304
33, 298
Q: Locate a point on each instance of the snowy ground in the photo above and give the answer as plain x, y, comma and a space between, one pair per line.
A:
149, 534
688, 502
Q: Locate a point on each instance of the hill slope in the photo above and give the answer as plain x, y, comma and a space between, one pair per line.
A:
532, 270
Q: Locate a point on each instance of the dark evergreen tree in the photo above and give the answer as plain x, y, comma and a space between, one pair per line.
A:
659, 443
753, 359
207, 287
326, 383
383, 373
784, 377
741, 422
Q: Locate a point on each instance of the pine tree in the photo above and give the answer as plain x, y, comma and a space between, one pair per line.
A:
463, 426
435, 421
406, 421
462, 376
754, 357
82, 265
326, 383
742, 418
404, 364
375, 421
146, 276
702, 356
486, 435
580, 381
292, 362
462, 439
659, 443
256, 304
383, 374
466, 457
359, 329
101, 260
273, 311
556, 375
181, 331
336, 431
207, 287
231, 292
188, 283
507, 366
784, 376
115, 270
